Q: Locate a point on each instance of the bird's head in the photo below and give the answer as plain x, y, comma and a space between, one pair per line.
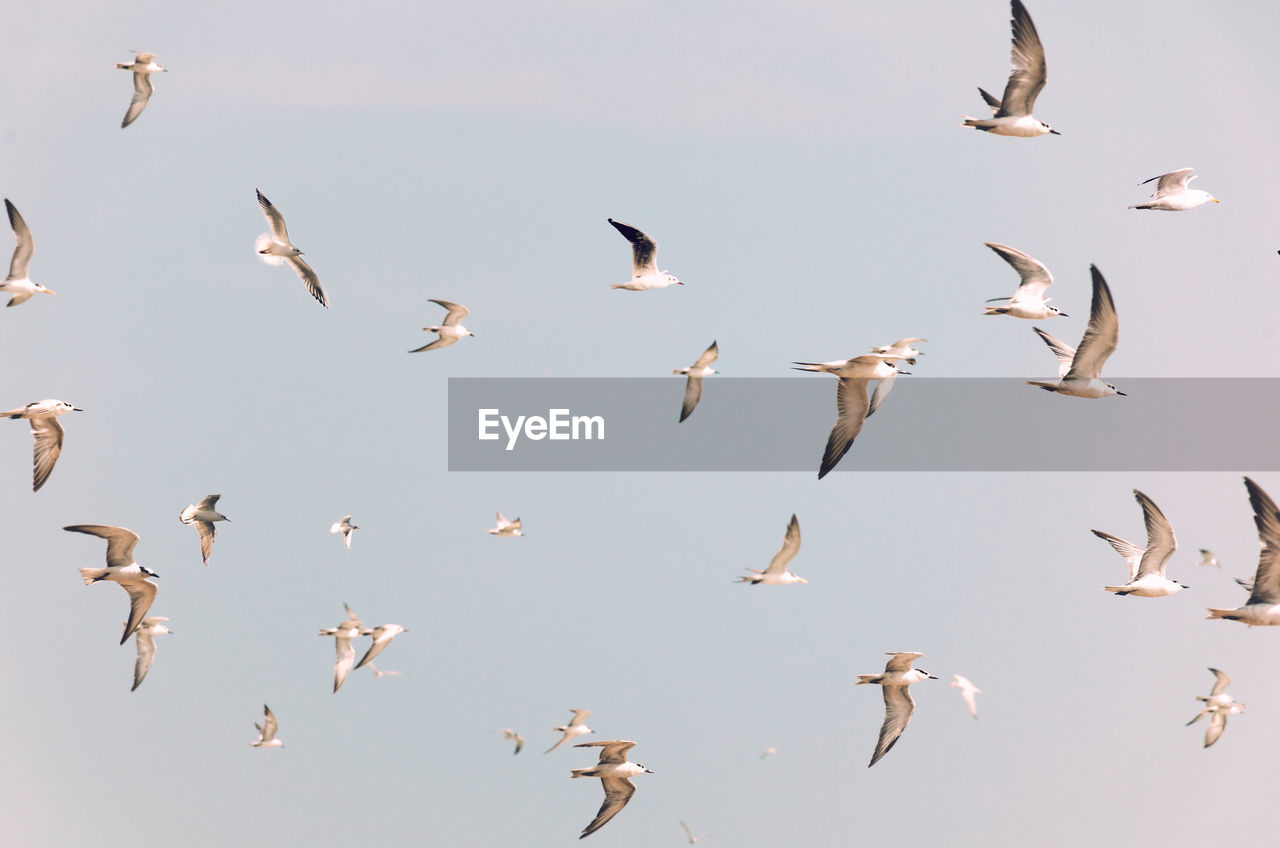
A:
1049, 129
1053, 310
147, 571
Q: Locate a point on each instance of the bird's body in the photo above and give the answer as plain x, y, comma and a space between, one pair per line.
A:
615, 773
203, 515
644, 262
1263, 607
382, 636
19, 283
507, 528
967, 691
777, 574
451, 330
346, 653
42, 415
695, 372
852, 404
345, 527
1147, 565
121, 568
1012, 112
1080, 369
898, 703
142, 67
145, 638
1172, 194
275, 248
1029, 300
267, 730
575, 728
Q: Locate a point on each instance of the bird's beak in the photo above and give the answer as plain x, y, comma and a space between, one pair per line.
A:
802, 580
1122, 394
678, 283
900, 371
1063, 315
1054, 132
1215, 200
648, 771
51, 291
76, 409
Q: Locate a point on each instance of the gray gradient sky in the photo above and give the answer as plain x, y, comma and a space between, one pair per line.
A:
802, 166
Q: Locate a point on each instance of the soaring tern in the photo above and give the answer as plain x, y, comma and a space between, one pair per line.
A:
121, 568
898, 704
1012, 112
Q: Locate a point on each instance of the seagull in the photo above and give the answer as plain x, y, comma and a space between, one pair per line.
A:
851, 399
1172, 194
1263, 606
203, 516
275, 247
143, 67
342, 636
693, 386
573, 729
267, 730
382, 636
48, 433
767, 751
693, 840
1029, 300
1147, 565
345, 527
615, 773
451, 330
508, 733
898, 705
1079, 371
901, 349
123, 569
507, 528
1217, 705
1207, 558
145, 637
967, 691
644, 261
777, 574
377, 672
17, 283
1013, 110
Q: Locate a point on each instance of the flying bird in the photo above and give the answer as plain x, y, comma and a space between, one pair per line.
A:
852, 404
379, 673
267, 730
1147, 565
1172, 194
451, 330
967, 691
777, 573
143, 67
121, 568
693, 840
1029, 300
382, 636
573, 729
898, 704
1263, 606
18, 283
768, 751
644, 262
901, 349
1207, 558
695, 372
508, 733
1080, 370
342, 636
615, 773
1217, 706
275, 248
507, 528
202, 516
1012, 112
145, 638
42, 415
345, 527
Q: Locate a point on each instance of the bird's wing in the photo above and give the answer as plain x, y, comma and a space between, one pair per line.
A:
1160, 540
1220, 682
563, 739
644, 250
1034, 275
346, 657
1217, 724
146, 653
502, 521
708, 356
991, 100
790, 547
692, 394
142, 594
1266, 581
1066, 353
142, 91
48, 435
519, 743
381, 639
210, 502
617, 792
898, 707
1132, 553
24, 249
206, 531
902, 660
883, 387
308, 276
1101, 336
120, 541
456, 312
1174, 182
443, 341
274, 219
269, 724
351, 614
852, 405
612, 750
1029, 70
579, 716
517, 524
688, 832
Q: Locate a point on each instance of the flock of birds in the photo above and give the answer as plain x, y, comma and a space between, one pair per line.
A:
1079, 375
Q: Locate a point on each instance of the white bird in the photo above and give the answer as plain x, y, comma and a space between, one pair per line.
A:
1080, 370
1217, 705
275, 248
615, 773
143, 67
345, 527
967, 691
901, 349
777, 573
267, 730
644, 262
1147, 580
42, 415
695, 372
451, 330
1029, 300
1013, 110
145, 638
852, 405
342, 636
202, 516
121, 568
898, 704
767, 751
379, 673
507, 528
693, 840
1207, 558
573, 729
1263, 606
382, 636
18, 282
1172, 194
508, 733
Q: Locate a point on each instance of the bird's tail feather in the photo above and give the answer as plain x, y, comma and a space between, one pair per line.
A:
92, 575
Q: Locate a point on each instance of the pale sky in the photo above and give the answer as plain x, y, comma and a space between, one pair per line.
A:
803, 169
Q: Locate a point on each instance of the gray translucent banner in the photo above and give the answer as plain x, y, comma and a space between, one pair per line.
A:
927, 424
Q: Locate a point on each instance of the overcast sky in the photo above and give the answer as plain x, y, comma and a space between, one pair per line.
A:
803, 168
